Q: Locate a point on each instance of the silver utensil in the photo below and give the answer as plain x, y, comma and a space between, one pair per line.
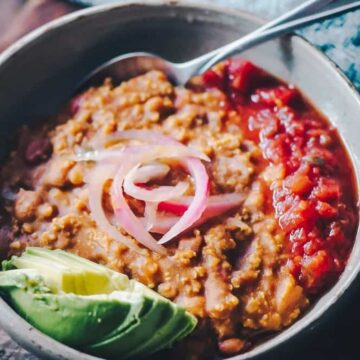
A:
128, 65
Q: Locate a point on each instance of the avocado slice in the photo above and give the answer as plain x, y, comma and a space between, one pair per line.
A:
23, 279
57, 276
175, 328
70, 318
75, 320
97, 279
90, 307
125, 341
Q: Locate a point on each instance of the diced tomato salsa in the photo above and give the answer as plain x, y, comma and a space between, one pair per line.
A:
315, 201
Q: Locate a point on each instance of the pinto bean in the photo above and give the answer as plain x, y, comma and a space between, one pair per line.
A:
57, 171
26, 204
6, 236
231, 346
75, 104
191, 243
38, 150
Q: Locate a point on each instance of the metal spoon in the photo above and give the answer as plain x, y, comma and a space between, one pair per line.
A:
129, 65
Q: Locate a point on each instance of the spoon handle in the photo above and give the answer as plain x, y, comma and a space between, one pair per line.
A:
307, 8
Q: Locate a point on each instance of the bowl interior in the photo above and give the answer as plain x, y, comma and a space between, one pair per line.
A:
41, 71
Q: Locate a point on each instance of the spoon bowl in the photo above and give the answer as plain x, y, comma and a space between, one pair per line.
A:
129, 65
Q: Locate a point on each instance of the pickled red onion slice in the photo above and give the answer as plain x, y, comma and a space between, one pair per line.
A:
155, 138
148, 172
161, 224
173, 207
216, 206
198, 204
196, 169
134, 225
150, 215
216, 203
169, 150
162, 193
125, 215
97, 178
124, 164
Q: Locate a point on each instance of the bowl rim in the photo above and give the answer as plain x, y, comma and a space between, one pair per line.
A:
39, 343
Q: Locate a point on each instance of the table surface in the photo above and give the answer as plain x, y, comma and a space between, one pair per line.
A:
336, 338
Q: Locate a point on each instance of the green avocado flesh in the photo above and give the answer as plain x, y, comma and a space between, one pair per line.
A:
89, 278
90, 307
166, 334
136, 334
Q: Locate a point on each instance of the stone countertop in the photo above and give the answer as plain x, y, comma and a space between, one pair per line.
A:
9, 350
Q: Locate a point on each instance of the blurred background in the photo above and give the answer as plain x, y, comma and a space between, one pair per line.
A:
339, 38
18, 17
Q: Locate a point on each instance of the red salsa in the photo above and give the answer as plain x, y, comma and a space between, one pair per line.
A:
314, 201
